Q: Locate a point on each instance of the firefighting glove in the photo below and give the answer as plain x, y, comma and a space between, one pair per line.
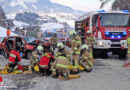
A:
78, 46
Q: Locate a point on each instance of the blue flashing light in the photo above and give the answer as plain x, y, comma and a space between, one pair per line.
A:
112, 36
125, 11
107, 33
101, 11
124, 33
118, 36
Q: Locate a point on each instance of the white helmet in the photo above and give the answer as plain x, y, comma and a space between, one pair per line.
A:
72, 32
40, 48
88, 31
84, 47
60, 45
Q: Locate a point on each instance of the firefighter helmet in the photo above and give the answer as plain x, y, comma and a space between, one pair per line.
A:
72, 32
60, 45
88, 31
40, 48
84, 47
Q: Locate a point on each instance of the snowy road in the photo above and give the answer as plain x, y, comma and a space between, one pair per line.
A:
107, 74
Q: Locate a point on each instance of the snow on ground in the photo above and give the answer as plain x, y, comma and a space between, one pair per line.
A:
3, 32
19, 23
50, 27
11, 15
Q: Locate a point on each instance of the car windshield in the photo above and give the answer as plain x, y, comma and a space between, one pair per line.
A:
29, 39
47, 35
114, 20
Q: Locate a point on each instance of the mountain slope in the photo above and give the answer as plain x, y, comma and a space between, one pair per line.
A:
37, 5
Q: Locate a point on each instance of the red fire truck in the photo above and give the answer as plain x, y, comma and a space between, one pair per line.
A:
110, 30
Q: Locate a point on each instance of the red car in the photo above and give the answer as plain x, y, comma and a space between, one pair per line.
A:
26, 45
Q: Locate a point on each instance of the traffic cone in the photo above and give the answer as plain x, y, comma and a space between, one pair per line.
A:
126, 64
1, 81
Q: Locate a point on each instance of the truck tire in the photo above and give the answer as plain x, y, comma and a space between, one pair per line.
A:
95, 53
104, 55
28, 55
122, 54
5, 54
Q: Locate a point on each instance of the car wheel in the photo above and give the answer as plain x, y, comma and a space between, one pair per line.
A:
29, 55
4, 54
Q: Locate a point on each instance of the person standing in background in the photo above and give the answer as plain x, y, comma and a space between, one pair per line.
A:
8, 32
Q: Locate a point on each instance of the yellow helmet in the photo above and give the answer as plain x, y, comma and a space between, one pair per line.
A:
40, 48
84, 47
72, 32
60, 45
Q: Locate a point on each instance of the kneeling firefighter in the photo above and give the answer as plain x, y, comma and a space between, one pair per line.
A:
14, 61
45, 62
60, 66
36, 55
86, 59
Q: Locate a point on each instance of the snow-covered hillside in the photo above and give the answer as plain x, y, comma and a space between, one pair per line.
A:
3, 32
35, 6
51, 27
19, 24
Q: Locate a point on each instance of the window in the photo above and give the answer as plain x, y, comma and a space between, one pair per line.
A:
87, 22
95, 20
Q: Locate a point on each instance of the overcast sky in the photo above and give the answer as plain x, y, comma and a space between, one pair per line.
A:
85, 5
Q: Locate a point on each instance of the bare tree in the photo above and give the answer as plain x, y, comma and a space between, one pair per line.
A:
121, 5
103, 2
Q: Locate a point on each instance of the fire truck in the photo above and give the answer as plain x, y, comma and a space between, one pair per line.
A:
110, 30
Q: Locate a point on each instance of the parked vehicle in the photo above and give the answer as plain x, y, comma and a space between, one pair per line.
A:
26, 45
110, 30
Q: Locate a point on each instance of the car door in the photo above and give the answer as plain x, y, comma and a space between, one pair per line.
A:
10, 44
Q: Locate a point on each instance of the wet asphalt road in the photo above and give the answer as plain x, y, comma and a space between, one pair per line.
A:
107, 74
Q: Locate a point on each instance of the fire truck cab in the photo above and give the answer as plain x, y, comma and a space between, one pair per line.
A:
110, 30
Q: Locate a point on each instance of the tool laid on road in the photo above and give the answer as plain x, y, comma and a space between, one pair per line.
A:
71, 77
27, 70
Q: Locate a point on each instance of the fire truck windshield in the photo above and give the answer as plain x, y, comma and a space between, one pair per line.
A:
114, 20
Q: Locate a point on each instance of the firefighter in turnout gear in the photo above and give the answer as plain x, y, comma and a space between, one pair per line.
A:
53, 41
36, 55
128, 42
14, 61
60, 66
75, 46
86, 59
45, 63
90, 41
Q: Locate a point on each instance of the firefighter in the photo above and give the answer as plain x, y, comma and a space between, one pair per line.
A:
75, 46
45, 63
86, 59
128, 42
14, 61
36, 55
8, 32
53, 41
60, 66
89, 40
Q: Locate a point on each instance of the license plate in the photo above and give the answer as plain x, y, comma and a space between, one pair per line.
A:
115, 42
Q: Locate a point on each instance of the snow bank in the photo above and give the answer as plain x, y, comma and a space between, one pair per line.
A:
3, 32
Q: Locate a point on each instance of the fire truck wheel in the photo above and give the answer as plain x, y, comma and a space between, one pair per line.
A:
95, 54
4, 54
104, 55
123, 54
28, 55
